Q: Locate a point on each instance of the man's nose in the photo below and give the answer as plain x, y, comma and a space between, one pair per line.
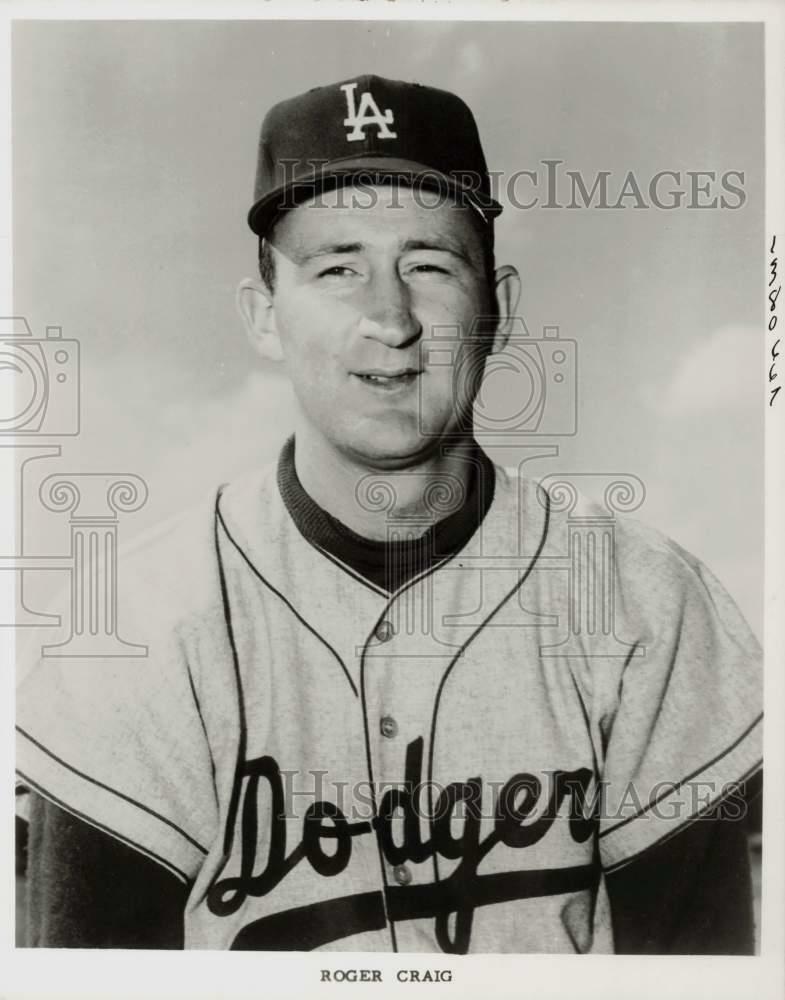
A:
388, 315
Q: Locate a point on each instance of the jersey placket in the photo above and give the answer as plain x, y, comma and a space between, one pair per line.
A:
402, 664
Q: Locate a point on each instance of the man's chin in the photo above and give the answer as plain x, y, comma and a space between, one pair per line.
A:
399, 452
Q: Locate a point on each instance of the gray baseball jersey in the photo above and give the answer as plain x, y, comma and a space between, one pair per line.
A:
452, 767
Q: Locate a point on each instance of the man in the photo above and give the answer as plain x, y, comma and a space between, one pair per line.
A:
358, 726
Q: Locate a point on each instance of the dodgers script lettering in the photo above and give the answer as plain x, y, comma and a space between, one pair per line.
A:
516, 824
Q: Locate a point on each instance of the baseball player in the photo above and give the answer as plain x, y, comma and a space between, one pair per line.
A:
384, 708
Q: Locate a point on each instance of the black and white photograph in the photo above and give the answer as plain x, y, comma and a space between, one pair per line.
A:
391, 406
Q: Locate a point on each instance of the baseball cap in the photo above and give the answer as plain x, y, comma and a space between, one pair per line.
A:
373, 129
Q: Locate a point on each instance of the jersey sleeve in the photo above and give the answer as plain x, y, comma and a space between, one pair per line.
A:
684, 731
120, 741
117, 742
86, 889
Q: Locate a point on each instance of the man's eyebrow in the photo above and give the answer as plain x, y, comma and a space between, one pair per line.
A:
441, 245
303, 256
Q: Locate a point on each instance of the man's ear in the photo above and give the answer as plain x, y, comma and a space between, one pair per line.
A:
508, 292
255, 305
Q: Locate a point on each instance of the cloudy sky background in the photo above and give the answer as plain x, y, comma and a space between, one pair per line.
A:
134, 151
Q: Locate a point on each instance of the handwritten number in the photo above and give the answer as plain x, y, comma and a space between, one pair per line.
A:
773, 296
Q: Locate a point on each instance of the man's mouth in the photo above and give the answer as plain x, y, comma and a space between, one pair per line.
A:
388, 379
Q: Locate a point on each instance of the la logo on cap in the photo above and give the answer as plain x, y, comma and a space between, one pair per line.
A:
367, 114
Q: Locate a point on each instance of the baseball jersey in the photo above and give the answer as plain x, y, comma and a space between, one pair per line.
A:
450, 767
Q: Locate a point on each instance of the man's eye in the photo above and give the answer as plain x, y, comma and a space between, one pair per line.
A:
428, 269
337, 270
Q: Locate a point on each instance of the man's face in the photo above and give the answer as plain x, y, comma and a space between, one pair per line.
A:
357, 291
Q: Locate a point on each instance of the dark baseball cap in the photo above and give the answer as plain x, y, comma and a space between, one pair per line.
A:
369, 130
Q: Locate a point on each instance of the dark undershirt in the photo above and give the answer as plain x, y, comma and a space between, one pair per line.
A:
689, 895
388, 565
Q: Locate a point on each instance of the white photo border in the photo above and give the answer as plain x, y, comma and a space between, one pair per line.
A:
201, 974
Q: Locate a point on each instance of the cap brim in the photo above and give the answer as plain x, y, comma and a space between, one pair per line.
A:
369, 169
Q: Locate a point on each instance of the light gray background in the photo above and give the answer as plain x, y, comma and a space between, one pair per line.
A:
134, 150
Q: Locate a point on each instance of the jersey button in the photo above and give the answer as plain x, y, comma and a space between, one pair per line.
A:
384, 631
402, 875
389, 727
